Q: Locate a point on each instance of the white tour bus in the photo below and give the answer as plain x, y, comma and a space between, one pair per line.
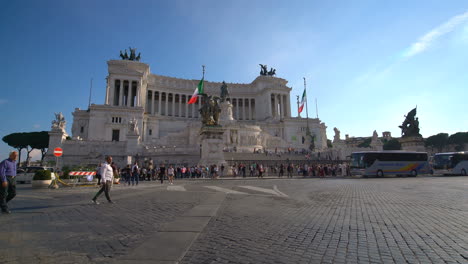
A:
380, 163
451, 163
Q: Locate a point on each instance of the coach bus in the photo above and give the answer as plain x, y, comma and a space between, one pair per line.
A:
380, 163
451, 163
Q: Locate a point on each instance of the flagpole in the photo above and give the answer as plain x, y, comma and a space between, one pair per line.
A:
307, 111
90, 91
203, 78
316, 108
298, 114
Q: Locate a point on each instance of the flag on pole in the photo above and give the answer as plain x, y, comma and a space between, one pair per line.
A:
301, 106
198, 90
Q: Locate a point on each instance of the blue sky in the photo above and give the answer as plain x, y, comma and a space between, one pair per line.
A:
367, 62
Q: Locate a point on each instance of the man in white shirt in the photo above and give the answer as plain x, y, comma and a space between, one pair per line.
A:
106, 181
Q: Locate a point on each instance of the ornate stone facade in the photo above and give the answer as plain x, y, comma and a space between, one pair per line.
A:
146, 115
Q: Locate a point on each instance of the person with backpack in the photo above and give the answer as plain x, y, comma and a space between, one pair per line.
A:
135, 174
127, 173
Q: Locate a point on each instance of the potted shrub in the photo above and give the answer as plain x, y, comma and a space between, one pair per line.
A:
41, 179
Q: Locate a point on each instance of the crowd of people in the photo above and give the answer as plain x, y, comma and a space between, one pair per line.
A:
133, 174
289, 170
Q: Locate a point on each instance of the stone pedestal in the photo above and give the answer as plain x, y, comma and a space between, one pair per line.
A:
133, 144
412, 144
212, 146
56, 138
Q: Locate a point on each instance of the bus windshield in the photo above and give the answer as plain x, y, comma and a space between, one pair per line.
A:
443, 161
357, 160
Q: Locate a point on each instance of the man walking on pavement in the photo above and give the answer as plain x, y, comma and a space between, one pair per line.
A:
8, 181
106, 182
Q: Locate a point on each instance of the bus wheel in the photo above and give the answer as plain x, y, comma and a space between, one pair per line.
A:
379, 173
414, 173
463, 172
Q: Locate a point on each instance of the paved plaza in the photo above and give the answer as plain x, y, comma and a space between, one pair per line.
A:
331, 220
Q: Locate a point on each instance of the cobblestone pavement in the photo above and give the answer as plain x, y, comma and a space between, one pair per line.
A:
390, 220
395, 220
63, 226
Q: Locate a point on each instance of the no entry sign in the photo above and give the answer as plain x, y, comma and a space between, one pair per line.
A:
58, 152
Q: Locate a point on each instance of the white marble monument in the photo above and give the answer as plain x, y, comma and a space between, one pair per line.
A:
147, 114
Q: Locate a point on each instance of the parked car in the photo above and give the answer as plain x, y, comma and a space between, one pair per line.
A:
25, 175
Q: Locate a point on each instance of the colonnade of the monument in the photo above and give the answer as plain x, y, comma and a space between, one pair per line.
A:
175, 105
125, 93
280, 106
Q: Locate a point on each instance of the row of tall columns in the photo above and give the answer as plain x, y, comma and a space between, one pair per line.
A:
170, 104
130, 95
246, 113
279, 106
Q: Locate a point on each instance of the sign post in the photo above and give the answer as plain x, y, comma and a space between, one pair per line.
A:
57, 153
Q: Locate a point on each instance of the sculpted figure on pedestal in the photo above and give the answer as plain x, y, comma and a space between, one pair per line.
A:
224, 92
410, 127
272, 72
132, 53
59, 121
133, 126
337, 135
210, 110
207, 118
264, 69
132, 57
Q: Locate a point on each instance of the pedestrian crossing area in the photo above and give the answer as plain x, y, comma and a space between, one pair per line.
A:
235, 190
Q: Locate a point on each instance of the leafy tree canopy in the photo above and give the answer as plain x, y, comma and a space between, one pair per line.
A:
366, 143
438, 141
15, 140
458, 138
392, 144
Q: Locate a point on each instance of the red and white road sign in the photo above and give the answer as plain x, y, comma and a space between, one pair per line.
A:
58, 152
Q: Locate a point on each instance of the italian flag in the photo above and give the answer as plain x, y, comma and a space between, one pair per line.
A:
301, 106
198, 90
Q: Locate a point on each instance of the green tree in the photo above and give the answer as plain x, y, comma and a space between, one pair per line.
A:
16, 140
40, 141
392, 144
438, 141
365, 143
28, 141
459, 140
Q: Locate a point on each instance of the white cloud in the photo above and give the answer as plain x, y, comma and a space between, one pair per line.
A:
464, 36
425, 41
3, 101
35, 155
379, 73
36, 126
